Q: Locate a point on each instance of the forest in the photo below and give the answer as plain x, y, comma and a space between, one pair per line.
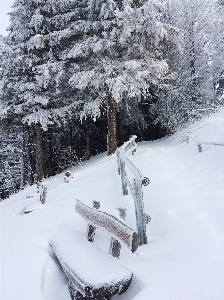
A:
78, 77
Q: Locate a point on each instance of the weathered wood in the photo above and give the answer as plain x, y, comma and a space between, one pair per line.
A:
199, 148
135, 188
90, 228
41, 156
124, 179
112, 125
78, 286
115, 227
139, 211
43, 193
115, 248
122, 213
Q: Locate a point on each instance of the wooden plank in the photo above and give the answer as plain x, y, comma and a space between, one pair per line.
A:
118, 229
89, 282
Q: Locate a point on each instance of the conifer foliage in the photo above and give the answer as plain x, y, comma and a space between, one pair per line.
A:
78, 77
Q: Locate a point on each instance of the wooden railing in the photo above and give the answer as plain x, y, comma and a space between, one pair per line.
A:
135, 186
199, 143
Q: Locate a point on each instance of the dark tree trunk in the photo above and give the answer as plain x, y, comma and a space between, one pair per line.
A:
23, 160
119, 136
30, 156
51, 163
88, 154
140, 124
40, 152
59, 153
81, 141
112, 126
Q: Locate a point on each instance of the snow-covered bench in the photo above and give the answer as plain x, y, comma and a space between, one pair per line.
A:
93, 274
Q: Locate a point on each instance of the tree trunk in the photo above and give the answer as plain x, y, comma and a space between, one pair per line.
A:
30, 158
88, 154
81, 141
112, 126
119, 136
23, 160
51, 163
140, 123
40, 153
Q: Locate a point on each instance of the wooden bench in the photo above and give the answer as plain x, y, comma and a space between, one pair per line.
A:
93, 274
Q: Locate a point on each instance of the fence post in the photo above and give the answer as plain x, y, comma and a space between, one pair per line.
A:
122, 213
119, 161
43, 193
123, 178
199, 147
139, 211
133, 144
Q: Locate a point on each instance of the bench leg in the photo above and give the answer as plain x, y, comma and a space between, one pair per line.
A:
90, 233
115, 248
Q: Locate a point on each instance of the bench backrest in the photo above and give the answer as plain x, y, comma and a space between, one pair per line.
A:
109, 223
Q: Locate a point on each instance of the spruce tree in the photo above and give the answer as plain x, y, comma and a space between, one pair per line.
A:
120, 55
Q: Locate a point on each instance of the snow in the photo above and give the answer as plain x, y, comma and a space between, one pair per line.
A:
80, 255
184, 257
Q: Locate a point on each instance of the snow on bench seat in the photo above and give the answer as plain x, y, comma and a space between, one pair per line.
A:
91, 272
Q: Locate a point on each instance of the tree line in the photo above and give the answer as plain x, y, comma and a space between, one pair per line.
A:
79, 77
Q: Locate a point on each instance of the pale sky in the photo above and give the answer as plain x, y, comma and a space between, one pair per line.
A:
4, 18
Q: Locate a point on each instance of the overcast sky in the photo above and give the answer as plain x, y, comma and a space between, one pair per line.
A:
4, 18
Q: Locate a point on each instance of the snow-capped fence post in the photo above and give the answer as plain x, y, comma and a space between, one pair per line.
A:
43, 193
133, 144
123, 178
136, 188
118, 161
67, 176
139, 211
90, 228
122, 213
199, 147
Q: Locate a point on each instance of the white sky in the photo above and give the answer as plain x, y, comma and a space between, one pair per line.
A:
4, 18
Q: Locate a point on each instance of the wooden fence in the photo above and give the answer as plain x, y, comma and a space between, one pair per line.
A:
135, 186
199, 143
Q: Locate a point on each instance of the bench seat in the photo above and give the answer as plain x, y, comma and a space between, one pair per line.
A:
92, 274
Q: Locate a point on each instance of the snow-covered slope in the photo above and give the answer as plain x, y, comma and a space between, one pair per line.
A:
184, 257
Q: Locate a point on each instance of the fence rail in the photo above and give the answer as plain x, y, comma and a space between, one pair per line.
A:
135, 186
199, 143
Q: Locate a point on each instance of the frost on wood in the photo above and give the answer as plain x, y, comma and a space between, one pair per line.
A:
118, 229
43, 193
90, 228
105, 276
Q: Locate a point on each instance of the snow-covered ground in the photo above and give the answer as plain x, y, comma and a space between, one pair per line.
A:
184, 257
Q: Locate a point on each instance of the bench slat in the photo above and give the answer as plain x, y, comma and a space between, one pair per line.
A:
90, 272
118, 229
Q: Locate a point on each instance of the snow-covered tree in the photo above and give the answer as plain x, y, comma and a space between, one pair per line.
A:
121, 54
33, 72
195, 61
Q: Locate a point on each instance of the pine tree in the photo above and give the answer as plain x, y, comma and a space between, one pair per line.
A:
33, 71
120, 55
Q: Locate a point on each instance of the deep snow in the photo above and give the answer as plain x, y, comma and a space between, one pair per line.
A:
184, 257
